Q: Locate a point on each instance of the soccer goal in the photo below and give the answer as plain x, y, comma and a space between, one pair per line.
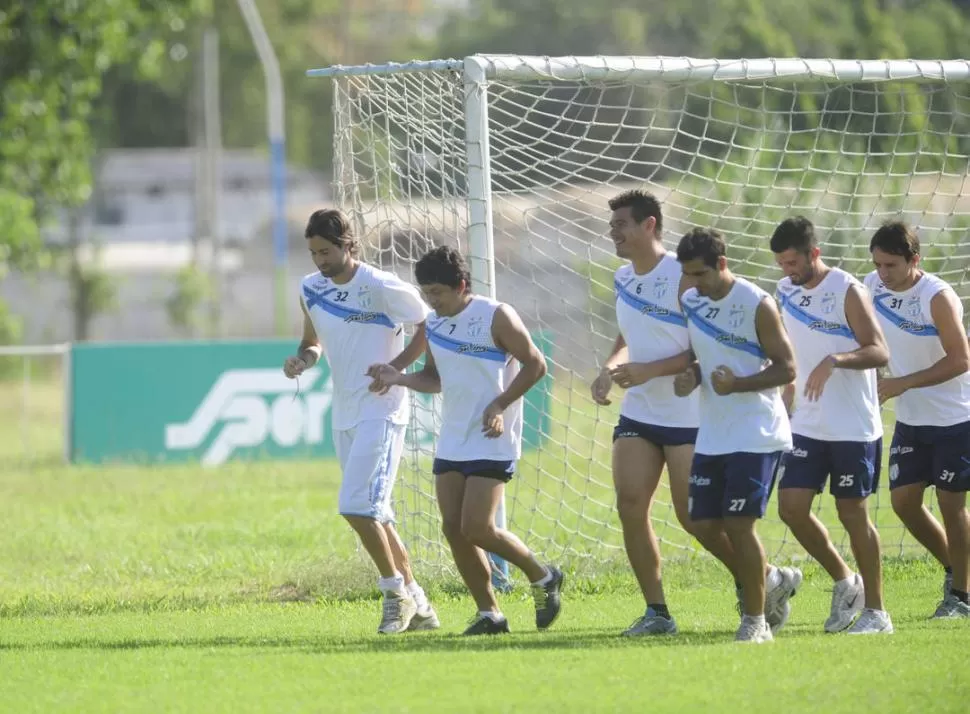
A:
513, 159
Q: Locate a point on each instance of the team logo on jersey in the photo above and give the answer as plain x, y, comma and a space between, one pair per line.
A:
736, 316
913, 307
660, 288
364, 298
827, 305
476, 328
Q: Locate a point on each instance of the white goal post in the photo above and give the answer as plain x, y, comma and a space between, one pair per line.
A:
513, 159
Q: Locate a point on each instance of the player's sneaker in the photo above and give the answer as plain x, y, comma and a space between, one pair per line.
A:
847, 601
399, 610
753, 630
777, 608
951, 607
651, 624
547, 599
424, 619
483, 625
872, 622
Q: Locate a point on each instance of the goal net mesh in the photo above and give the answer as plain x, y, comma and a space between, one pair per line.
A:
739, 154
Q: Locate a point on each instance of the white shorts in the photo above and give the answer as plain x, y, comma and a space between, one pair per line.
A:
369, 456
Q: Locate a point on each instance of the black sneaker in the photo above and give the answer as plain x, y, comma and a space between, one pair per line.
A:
547, 599
482, 625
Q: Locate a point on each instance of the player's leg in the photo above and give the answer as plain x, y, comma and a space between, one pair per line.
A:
909, 475
803, 473
679, 459
364, 501
471, 561
855, 476
637, 466
483, 493
425, 617
748, 482
951, 471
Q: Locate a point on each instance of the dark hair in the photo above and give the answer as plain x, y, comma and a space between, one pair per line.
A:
704, 243
796, 233
642, 205
443, 265
333, 226
896, 238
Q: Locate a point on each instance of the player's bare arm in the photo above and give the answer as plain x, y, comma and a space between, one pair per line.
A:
871, 353
426, 380
600, 388
409, 355
632, 374
309, 351
777, 348
510, 335
955, 361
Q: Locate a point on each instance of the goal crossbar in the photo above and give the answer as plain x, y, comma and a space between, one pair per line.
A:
673, 69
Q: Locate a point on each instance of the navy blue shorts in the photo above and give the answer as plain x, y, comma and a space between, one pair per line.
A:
853, 465
657, 435
485, 468
731, 485
931, 455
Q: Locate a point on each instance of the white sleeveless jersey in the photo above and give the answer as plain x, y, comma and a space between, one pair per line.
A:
914, 345
473, 371
815, 319
723, 332
360, 323
653, 326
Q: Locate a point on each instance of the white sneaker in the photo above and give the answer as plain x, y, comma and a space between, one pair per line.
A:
399, 610
847, 601
755, 631
424, 619
872, 622
777, 608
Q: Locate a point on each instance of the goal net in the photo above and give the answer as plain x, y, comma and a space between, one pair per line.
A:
513, 160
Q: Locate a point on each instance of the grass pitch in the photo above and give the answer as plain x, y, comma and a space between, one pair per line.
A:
238, 589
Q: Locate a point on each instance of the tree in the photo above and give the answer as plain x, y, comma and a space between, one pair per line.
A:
53, 55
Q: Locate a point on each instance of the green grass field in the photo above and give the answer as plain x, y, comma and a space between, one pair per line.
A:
238, 589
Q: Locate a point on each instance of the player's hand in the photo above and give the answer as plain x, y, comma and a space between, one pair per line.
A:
384, 377
889, 387
294, 366
722, 380
685, 382
493, 423
630, 374
817, 379
600, 388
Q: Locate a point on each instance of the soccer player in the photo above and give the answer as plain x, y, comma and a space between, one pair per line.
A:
359, 312
475, 347
929, 359
743, 358
836, 425
655, 427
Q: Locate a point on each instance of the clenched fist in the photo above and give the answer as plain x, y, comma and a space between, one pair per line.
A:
685, 382
293, 367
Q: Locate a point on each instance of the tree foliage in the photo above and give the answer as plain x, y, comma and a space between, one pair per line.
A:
53, 56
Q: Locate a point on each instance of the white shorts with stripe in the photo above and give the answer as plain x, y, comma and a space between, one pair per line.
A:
369, 456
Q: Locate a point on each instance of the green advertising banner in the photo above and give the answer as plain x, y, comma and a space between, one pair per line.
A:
212, 402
